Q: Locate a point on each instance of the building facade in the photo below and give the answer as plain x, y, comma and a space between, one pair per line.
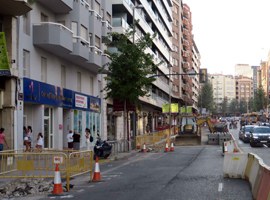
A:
60, 52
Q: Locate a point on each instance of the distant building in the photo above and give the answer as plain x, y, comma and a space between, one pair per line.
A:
223, 88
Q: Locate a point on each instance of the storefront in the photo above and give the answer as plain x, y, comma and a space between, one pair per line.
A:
54, 111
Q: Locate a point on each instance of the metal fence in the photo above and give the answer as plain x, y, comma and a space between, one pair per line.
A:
19, 164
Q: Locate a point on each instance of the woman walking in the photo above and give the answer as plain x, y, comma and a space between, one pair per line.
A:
2, 139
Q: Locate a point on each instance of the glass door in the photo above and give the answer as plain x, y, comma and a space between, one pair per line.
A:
48, 127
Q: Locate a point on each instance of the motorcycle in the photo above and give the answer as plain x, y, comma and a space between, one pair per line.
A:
102, 149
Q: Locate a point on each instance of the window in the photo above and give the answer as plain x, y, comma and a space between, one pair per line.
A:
91, 85
26, 63
108, 18
43, 69
74, 28
97, 42
79, 81
97, 7
84, 32
44, 18
63, 76
26, 24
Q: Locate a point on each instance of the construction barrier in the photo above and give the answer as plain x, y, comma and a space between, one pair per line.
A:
19, 164
252, 168
155, 137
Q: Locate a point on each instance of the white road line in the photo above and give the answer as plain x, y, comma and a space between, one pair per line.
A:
81, 190
220, 187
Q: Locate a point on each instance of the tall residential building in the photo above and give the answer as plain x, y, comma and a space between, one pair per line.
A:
59, 53
244, 70
244, 88
12, 13
223, 88
155, 17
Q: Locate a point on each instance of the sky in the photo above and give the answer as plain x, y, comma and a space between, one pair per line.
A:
230, 32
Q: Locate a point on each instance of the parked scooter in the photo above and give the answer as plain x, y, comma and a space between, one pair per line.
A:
102, 149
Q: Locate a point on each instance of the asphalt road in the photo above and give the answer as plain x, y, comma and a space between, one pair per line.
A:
188, 173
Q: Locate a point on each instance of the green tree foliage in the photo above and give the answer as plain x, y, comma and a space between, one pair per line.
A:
224, 107
128, 73
234, 107
260, 100
205, 99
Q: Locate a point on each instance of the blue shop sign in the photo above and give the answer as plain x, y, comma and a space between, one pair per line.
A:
43, 93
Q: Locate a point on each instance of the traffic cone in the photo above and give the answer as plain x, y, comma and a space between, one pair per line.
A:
166, 148
172, 147
57, 187
144, 148
97, 176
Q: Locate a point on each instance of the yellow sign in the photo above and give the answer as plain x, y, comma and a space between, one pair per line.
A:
186, 109
166, 108
4, 64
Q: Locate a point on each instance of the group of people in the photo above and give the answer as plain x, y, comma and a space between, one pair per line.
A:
73, 139
27, 139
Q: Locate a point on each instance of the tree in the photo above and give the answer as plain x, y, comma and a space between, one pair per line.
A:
234, 107
260, 100
129, 70
224, 106
206, 97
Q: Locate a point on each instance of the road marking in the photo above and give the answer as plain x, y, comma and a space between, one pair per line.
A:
265, 145
220, 186
81, 190
67, 196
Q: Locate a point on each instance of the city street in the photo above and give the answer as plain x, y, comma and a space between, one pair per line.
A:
188, 173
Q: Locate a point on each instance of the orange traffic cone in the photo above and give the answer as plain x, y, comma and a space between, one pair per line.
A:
57, 187
166, 148
97, 175
172, 147
144, 148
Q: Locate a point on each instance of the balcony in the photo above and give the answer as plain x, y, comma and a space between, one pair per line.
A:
14, 7
80, 49
95, 58
57, 6
106, 28
53, 37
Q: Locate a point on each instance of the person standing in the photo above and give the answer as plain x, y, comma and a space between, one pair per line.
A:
76, 140
2, 139
87, 138
28, 138
40, 142
70, 139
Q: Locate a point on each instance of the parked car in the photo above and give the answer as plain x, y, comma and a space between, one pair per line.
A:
259, 136
244, 133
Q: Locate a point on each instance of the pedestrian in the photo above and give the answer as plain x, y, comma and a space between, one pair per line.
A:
28, 138
87, 138
70, 139
76, 140
2, 139
40, 142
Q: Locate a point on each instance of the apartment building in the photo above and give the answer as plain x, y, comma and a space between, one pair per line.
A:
154, 17
59, 54
224, 87
10, 15
244, 89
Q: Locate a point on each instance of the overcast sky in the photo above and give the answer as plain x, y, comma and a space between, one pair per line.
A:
230, 32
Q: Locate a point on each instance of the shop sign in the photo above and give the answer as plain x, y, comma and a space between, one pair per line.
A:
80, 101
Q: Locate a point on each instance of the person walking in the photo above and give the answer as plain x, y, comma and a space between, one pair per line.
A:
40, 142
28, 139
70, 139
76, 140
2, 139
